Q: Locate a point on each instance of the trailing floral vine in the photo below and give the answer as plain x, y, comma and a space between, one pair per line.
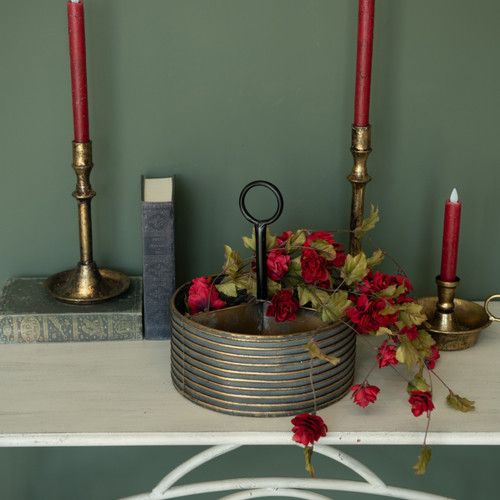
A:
311, 269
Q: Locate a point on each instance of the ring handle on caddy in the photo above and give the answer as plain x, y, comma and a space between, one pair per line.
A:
260, 233
487, 309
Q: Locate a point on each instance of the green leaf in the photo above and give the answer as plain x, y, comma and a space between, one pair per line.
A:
316, 352
376, 259
460, 403
295, 267
368, 223
249, 243
334, 309
354, 268
296, 240
407, 353
324, 249
410, 313
423, 460
273, 287
233, 263
308, 451
418, 384
383, 330
227, 288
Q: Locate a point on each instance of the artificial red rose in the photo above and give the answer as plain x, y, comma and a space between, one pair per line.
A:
421, 402
378, 281
283, 306
313, 267
328, 237
285, 236
366, 314
203, 296
431, 361
308, 428
386, 355
364, 394
277, 264
410, 331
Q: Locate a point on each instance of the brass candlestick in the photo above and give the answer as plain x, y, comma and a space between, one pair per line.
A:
454, 324
86, 284
360, 150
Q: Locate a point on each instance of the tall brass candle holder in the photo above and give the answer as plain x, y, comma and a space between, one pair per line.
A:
86, 284
360, 149
454, 324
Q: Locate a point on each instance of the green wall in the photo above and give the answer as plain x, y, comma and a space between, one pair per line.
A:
223, 92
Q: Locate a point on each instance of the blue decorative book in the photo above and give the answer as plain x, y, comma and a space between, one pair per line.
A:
158, 255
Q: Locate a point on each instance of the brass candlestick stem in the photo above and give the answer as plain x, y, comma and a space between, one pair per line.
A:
454, 324
360, 149
86, 284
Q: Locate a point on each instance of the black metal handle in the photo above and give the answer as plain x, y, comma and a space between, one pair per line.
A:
260, 233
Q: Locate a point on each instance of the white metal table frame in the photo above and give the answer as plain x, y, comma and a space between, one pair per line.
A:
120, 394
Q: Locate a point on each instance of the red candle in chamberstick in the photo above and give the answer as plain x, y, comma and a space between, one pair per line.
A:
451, 231
76, 28
366, 12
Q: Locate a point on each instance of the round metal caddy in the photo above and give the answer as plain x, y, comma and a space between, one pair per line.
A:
238, 361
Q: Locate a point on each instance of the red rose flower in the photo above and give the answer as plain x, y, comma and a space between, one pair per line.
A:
431, 361
313, 267
364, 394
386, 355
410, 331
277, 264
283, 306
308, 428
378, 281
328, 237
421, 402
285, 236
203, 296
366, 314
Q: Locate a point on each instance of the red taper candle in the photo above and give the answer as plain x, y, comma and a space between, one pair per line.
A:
76, 28
451, 231
366, 12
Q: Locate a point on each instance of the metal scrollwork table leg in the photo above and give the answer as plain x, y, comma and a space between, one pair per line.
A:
278, 486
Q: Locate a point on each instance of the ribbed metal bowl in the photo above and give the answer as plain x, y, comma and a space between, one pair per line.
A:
238, 361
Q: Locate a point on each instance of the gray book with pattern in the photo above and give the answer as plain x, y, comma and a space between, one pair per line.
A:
28, 313
158, 255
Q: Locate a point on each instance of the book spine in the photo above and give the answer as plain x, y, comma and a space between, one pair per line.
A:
29, 328
158, 267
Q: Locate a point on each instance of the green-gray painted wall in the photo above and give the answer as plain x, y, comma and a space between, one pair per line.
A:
223, 92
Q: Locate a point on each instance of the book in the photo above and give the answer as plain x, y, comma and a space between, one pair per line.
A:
28, 313
158, 266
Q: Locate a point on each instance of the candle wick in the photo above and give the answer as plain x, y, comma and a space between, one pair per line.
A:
454, 196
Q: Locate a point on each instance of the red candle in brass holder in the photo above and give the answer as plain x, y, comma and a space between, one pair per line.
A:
86, 284
454, 323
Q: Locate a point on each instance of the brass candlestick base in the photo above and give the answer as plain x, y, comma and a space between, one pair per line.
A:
360, 149
454, 324
86, 284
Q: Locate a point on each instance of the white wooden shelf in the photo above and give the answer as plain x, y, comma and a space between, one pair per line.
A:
120, 393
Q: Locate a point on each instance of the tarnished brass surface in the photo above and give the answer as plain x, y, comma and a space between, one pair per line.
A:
455, 324
86, 284
360, 149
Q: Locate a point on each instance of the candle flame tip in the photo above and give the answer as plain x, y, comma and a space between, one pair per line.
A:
454, 196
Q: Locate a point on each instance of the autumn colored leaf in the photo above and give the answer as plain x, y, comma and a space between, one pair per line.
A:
368, 223
376, 259
233, 262
335, 307
354, 268
460, 403
315, 352
406, 353
308, 451
418, 384
423, 460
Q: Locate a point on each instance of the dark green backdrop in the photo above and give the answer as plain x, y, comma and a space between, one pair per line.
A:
223, 92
